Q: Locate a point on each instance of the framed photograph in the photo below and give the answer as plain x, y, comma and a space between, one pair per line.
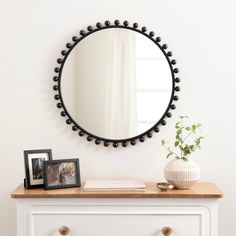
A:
34, 166
61, 174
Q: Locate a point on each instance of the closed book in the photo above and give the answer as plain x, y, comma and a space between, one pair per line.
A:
113, 185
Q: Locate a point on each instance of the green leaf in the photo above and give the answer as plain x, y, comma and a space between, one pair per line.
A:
169, 154
177, 126
186, 150
163, 142
178, 132
188, 128
178, 137
176, 143
198, 141
198, 125
183, 117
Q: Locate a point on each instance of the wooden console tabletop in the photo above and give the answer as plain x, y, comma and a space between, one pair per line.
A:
199, 190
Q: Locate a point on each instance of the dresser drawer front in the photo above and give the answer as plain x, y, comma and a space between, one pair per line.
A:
117, 225
121, 221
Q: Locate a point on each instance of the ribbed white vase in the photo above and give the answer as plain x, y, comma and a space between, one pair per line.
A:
182, 174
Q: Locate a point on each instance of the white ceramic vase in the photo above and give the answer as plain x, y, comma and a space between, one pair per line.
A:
182, 174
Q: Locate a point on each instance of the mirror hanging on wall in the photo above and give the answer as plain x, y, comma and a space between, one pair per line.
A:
116, 83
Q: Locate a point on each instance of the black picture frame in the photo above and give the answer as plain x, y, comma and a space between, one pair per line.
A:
54, 180
34, 168
86, 133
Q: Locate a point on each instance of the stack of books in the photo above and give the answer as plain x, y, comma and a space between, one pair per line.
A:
113, 185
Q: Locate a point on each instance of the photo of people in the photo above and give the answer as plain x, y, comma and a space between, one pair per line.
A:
61, 173
37, 168
34, 167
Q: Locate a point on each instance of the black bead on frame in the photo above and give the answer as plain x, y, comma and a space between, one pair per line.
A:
59, 98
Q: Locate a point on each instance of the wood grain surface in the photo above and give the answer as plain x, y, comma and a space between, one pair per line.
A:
199, 190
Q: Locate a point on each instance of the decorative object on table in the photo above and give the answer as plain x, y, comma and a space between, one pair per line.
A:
163, 186
61, 174
34, 166
182, 172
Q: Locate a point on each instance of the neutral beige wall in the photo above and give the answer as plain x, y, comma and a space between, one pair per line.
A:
201, 34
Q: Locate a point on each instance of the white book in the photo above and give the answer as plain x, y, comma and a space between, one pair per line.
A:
118, 185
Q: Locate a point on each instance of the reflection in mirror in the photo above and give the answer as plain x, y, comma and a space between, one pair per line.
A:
116, 83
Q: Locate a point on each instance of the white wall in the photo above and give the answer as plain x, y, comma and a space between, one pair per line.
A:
201, 34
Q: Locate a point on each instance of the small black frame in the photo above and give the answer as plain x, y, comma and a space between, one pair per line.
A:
30, 181
57, 87
60, 185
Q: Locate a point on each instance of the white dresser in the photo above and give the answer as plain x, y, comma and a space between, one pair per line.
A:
73, 212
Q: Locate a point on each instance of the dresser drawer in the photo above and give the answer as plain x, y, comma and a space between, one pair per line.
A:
118, 220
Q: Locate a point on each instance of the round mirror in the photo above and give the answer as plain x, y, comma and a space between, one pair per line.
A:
116, 83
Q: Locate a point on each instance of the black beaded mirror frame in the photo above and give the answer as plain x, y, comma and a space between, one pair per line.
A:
81, 131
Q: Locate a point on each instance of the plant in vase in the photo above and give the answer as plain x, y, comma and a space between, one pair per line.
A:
181, 171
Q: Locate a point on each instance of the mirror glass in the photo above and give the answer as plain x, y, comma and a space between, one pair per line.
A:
116, 83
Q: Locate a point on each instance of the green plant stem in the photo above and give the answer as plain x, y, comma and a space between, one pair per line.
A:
181, 138
187, 136
168, 149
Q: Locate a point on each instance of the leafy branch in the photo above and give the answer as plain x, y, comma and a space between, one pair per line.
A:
183, 134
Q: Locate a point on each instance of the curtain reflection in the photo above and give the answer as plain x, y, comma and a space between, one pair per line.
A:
121, 115
103, 89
